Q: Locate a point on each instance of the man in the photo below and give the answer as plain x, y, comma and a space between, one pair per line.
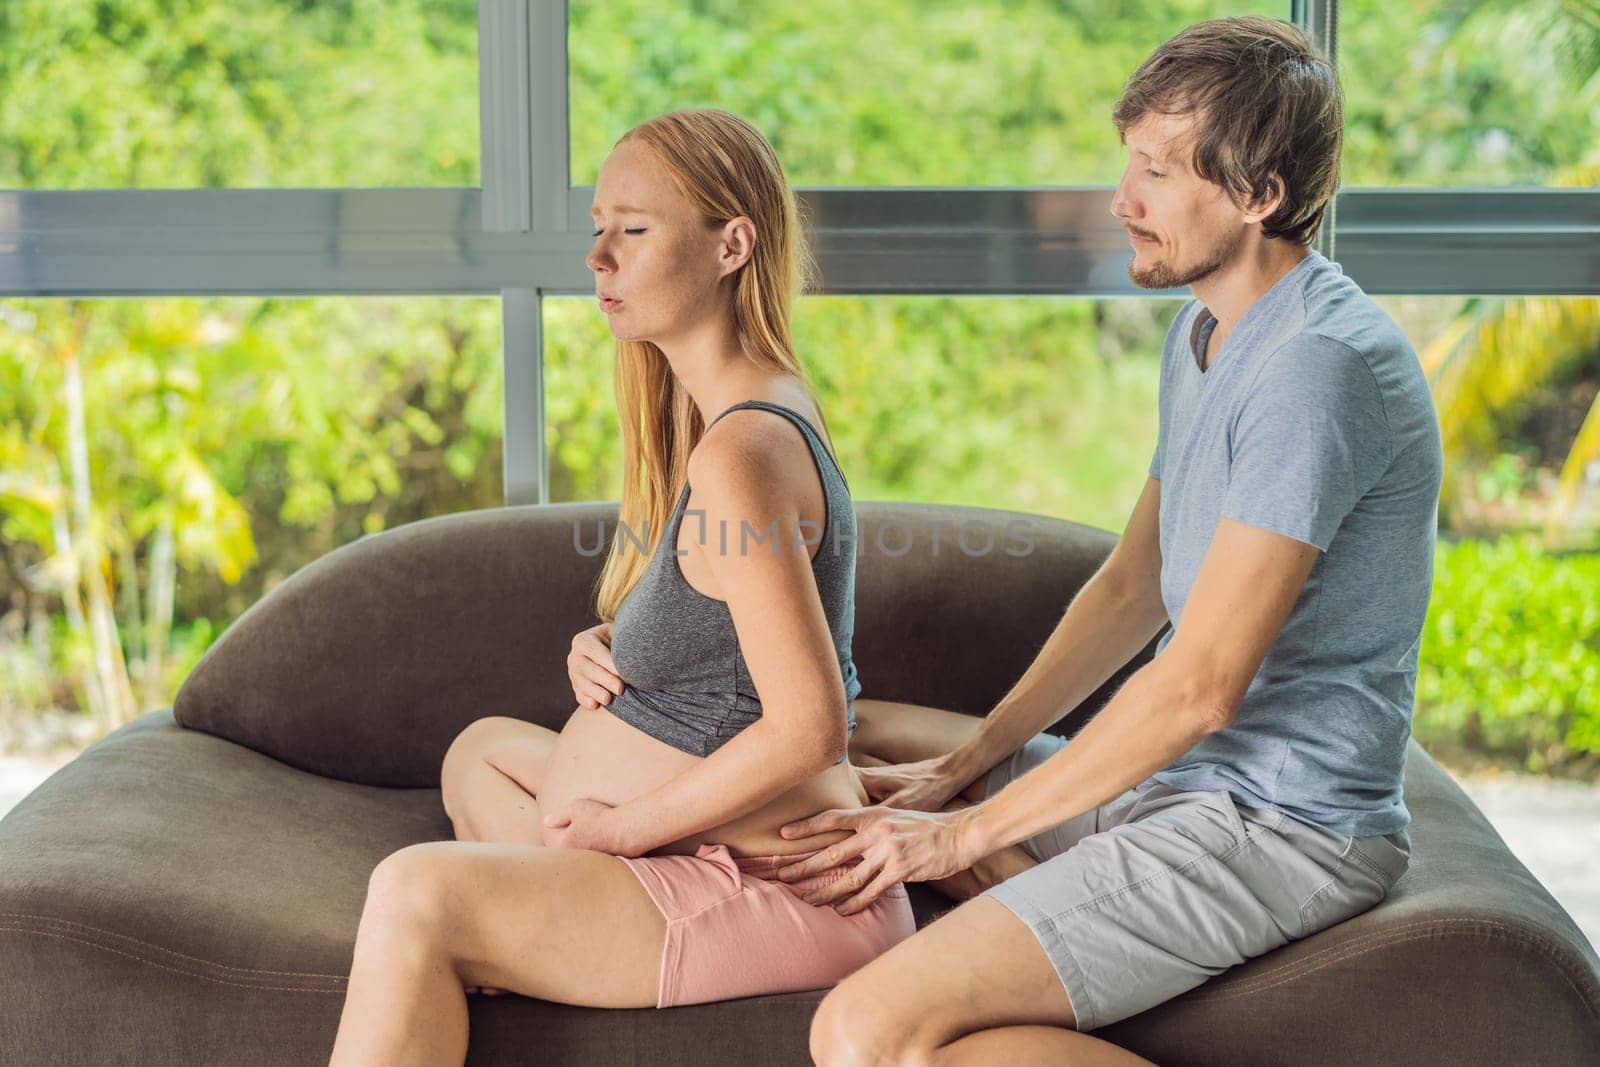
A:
1243, 789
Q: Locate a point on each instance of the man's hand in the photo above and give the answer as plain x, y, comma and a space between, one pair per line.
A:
893, 846
926, 785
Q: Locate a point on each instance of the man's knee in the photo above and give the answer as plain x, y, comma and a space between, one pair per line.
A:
852, 1026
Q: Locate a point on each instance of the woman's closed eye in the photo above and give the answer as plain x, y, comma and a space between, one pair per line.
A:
640, 229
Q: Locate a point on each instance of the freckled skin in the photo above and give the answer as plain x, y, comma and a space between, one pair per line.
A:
666, 275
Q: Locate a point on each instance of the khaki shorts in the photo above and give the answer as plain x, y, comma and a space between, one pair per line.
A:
1159, 889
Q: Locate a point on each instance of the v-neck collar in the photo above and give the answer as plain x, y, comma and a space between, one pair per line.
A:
1205, 322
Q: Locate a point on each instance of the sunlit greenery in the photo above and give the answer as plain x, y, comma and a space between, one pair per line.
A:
165, 462
1513, 652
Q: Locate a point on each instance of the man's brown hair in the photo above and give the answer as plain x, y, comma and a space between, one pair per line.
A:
1267, 109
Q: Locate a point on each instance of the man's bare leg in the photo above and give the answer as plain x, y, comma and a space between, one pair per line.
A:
1004, 1004
906, 733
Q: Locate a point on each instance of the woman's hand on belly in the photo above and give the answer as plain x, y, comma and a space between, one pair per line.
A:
587, 824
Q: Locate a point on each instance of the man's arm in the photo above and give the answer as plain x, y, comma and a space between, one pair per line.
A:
1111, 619
1247, 586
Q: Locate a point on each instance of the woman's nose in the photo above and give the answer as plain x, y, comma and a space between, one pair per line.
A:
598, 259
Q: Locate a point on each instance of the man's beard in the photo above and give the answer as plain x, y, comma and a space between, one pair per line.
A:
1163, 276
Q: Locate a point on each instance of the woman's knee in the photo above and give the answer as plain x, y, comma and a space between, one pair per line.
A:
470, 748
406, 895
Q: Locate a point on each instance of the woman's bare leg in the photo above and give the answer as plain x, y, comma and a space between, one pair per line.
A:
565, 925
888, 732
905, 733
490, 780
490, 784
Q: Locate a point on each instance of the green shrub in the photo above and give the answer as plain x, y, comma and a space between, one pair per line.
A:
1510, 658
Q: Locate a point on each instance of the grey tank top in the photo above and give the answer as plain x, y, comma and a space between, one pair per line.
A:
685, 678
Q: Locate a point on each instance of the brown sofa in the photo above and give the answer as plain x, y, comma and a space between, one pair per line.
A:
187, 890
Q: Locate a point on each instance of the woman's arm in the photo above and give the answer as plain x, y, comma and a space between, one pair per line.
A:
749, 478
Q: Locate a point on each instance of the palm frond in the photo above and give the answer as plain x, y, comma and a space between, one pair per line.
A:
1585, 451
1513, 346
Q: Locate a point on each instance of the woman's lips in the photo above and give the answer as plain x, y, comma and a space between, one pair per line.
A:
609, 304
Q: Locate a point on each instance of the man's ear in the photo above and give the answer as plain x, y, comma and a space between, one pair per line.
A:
1264, 205
737, 246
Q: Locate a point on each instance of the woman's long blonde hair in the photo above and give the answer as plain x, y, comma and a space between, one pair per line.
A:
726, 169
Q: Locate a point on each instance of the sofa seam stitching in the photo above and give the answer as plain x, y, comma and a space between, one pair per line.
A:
187, 974
84, 927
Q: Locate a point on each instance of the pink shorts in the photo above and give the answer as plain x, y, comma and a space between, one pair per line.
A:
734, 930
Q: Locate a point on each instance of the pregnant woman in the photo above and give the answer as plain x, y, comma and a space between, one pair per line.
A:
630, 860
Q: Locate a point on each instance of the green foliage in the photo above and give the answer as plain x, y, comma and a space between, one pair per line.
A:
255, 93
1489, 370
1480, 92
898, 92
1510, 658
259, 434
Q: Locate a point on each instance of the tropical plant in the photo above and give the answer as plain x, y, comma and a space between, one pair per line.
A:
1489, 362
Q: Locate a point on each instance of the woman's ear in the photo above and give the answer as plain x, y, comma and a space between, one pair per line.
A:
737, 245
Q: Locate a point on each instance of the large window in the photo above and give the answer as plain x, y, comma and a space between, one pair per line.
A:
294, 203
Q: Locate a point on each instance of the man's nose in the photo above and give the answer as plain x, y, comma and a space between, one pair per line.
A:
1121, 204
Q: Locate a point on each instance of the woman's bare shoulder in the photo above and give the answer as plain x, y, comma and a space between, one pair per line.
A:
753, 454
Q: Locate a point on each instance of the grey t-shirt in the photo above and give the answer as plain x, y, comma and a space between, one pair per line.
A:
1313, 421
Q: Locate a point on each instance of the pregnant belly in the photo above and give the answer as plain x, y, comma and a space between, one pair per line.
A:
599, 756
